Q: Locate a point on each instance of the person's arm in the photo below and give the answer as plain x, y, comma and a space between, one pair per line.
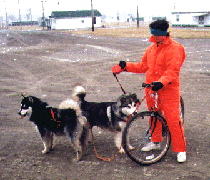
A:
139, 67
174, 60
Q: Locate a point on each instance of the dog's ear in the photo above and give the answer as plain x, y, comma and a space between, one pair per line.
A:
30, 99
77, 84
134, 98
134, 95
122, 100
24, 94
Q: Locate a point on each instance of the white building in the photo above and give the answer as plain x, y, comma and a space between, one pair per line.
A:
193, 19
74, 19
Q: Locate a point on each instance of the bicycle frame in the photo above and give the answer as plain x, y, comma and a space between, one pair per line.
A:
154, 112
155, 109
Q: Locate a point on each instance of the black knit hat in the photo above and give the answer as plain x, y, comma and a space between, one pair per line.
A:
162, 25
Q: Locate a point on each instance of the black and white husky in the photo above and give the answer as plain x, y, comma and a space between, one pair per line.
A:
50, 121
106, 115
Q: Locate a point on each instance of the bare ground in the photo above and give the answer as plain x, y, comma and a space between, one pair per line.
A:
49, 64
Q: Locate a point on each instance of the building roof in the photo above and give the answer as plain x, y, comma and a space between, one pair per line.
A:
194, 13
83, 13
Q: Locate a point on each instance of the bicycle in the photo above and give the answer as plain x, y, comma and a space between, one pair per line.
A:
138, 132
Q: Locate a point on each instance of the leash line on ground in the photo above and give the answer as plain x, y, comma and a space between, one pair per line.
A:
104, 159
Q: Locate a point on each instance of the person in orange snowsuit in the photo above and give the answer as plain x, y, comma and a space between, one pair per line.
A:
161, 63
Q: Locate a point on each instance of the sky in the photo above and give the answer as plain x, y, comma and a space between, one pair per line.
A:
106, 7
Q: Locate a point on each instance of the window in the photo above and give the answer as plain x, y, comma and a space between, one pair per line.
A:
177, 17
201, 19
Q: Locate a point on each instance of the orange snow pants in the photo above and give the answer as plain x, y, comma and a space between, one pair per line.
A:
168, 101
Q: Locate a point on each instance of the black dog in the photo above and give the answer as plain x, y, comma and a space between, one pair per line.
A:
50, 121
108, 115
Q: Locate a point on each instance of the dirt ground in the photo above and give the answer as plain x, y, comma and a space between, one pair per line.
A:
49, 64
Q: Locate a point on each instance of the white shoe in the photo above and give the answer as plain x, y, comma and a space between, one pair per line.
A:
150, 146
181, 157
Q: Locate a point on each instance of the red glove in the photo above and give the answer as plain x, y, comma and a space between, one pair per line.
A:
119, 67
116, 69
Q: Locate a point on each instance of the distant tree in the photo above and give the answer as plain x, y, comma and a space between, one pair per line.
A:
11, 18
42, 22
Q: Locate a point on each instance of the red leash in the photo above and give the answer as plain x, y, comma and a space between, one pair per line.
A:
104, 159
111, 158
119, 83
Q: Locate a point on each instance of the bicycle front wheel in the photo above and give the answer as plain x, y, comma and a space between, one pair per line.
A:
138, 134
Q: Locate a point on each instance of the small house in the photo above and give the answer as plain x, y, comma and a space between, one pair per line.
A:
74, 19
191, 19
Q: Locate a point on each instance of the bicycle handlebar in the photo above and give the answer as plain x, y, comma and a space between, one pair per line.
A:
146, 85
149, 85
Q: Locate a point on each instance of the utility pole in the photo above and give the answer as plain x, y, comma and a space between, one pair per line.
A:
118, 18
43, 21
6, 25
6, 21
137, 16
19, 16
92, 13
31, 16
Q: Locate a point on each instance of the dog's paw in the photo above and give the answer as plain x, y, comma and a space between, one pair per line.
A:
75, 159
45, 151
78, 156
131, 148
122, 151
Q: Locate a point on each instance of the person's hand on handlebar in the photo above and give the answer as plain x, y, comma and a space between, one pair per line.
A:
156, 86
119, 67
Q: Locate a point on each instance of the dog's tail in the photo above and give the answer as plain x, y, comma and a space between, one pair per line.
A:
79, 93
69, 103
74, 103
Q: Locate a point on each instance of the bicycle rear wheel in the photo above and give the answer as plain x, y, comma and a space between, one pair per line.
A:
137, 134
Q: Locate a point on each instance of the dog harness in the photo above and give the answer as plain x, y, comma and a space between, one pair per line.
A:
53, 116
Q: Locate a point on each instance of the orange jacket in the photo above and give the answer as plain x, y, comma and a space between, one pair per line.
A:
161, 63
